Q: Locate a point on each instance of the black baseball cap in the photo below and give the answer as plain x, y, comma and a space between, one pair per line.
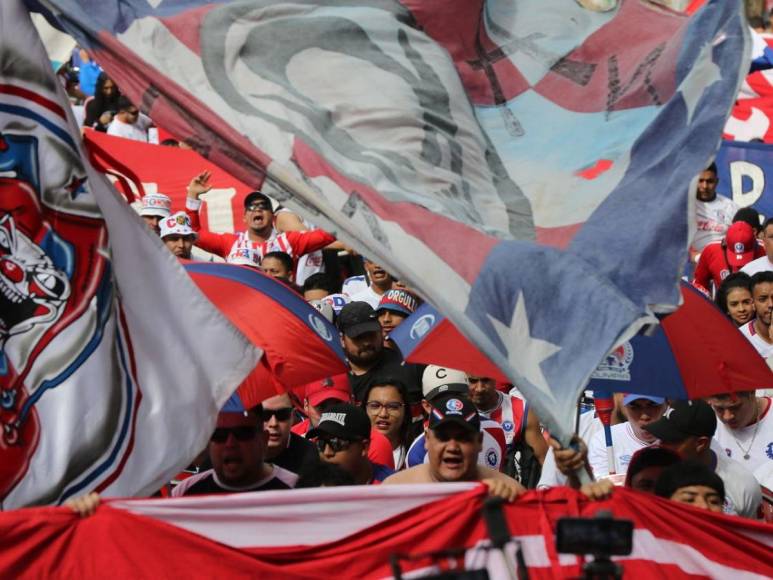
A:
342, 420
454, 408
684, 419
257, 196
357, 318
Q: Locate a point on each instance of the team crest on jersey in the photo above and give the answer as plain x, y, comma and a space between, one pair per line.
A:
769, 450
508, 426
491, 457
617, 365
54, 274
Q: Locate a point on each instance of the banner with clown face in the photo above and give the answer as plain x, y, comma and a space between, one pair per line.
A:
106, 381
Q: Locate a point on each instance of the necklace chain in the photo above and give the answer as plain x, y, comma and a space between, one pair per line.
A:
747, 452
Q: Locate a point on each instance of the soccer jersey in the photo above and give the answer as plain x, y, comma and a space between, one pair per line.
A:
510, 412
713, 265
368, 295
551, 477
712, 220
750, 332
207, 482
743, 494
625, 444
762, 264
751, 446
492, 454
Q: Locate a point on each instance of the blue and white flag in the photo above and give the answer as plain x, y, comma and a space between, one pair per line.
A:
524, 165
107, 382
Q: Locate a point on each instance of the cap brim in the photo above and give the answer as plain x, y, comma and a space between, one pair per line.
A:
363, 327
456, 388
665, 431
155, 212
734, 260
328, 394
628, 399
394, 308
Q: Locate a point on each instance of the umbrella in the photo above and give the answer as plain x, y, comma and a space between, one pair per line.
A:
299, 344
427, 337
695, 352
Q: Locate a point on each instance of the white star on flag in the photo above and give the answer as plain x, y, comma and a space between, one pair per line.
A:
524, 352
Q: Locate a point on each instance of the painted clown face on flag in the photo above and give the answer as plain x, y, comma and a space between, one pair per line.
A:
54, 272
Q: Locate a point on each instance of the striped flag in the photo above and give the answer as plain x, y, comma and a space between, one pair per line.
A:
524, 165
356, 530
107, 381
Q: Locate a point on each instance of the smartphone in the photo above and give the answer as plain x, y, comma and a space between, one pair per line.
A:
605, 536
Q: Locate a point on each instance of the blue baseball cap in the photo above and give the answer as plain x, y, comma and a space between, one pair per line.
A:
631, 397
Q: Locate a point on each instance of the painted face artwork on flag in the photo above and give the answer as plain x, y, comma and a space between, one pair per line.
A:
55, 277
444, 138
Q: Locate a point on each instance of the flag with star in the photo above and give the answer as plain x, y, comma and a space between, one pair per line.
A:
525, 166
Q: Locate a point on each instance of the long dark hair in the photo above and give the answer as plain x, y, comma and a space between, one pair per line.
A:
733, 281
406, 433
101, 102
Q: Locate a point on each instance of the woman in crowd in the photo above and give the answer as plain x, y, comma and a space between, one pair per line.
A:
734, 298
100, 109
386, 404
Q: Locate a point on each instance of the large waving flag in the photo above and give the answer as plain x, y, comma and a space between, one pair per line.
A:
524, 165
356, 530
107, 381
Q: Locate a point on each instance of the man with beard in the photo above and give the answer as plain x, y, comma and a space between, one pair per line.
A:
369, 361
714, 213
260, 237
453, 440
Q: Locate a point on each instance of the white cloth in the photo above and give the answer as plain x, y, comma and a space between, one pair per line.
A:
368, 295
765, 475
551, 477
762, 264
742, 491
354, 285
712, 220
750, 332
120, 129
756, 438
625, 444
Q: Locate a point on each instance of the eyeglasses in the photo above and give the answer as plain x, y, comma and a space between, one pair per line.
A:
262, 206
281, 414
244, 433
374, 407
336, 444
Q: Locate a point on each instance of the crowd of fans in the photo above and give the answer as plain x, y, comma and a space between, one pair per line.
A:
388, 421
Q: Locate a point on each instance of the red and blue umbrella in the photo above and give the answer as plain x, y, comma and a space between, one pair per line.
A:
299, 344
695, 352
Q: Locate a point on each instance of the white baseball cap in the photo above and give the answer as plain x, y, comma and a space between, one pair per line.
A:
437, 380
177, 224
156, 204
244, 257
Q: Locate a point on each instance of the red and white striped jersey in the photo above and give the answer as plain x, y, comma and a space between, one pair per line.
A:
511, 413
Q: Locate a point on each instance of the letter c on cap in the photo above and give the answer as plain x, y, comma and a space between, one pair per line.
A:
441, 373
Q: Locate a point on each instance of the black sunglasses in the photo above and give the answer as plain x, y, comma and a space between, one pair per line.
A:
245, 433
281, 414
336, 444
259, 206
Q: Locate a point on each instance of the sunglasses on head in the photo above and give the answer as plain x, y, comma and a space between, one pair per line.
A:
336, 444
281, 414
244, 433
260, 206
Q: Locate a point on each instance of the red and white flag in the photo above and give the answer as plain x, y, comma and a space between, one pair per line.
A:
107, 381
354, 531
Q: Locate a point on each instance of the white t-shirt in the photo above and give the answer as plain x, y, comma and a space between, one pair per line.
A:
765, 475
368, 295
624, 443
354, 285
756, 439
764, 348
762, 264
121, 129
551, 477
742, 491
712, 219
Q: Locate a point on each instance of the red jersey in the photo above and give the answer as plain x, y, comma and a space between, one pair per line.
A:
714, 266
380, 451
228, 245
511, 413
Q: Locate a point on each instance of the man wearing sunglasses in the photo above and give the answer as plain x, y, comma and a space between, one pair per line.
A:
237, 449
342, 437
453, 443
260, 237
285, 448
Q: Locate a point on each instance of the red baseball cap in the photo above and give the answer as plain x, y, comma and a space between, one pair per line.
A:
336, 387
741, 244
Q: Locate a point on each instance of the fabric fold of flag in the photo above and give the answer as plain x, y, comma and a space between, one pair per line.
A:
106, 381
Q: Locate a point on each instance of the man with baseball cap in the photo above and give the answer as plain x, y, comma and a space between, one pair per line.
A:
178, 235
260, 236
454, 441
395, 306
688, 428
719, 259
368, 359
764, 263
342, 437
438, 382
320, 395
628, 437
155, 207
237, 449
